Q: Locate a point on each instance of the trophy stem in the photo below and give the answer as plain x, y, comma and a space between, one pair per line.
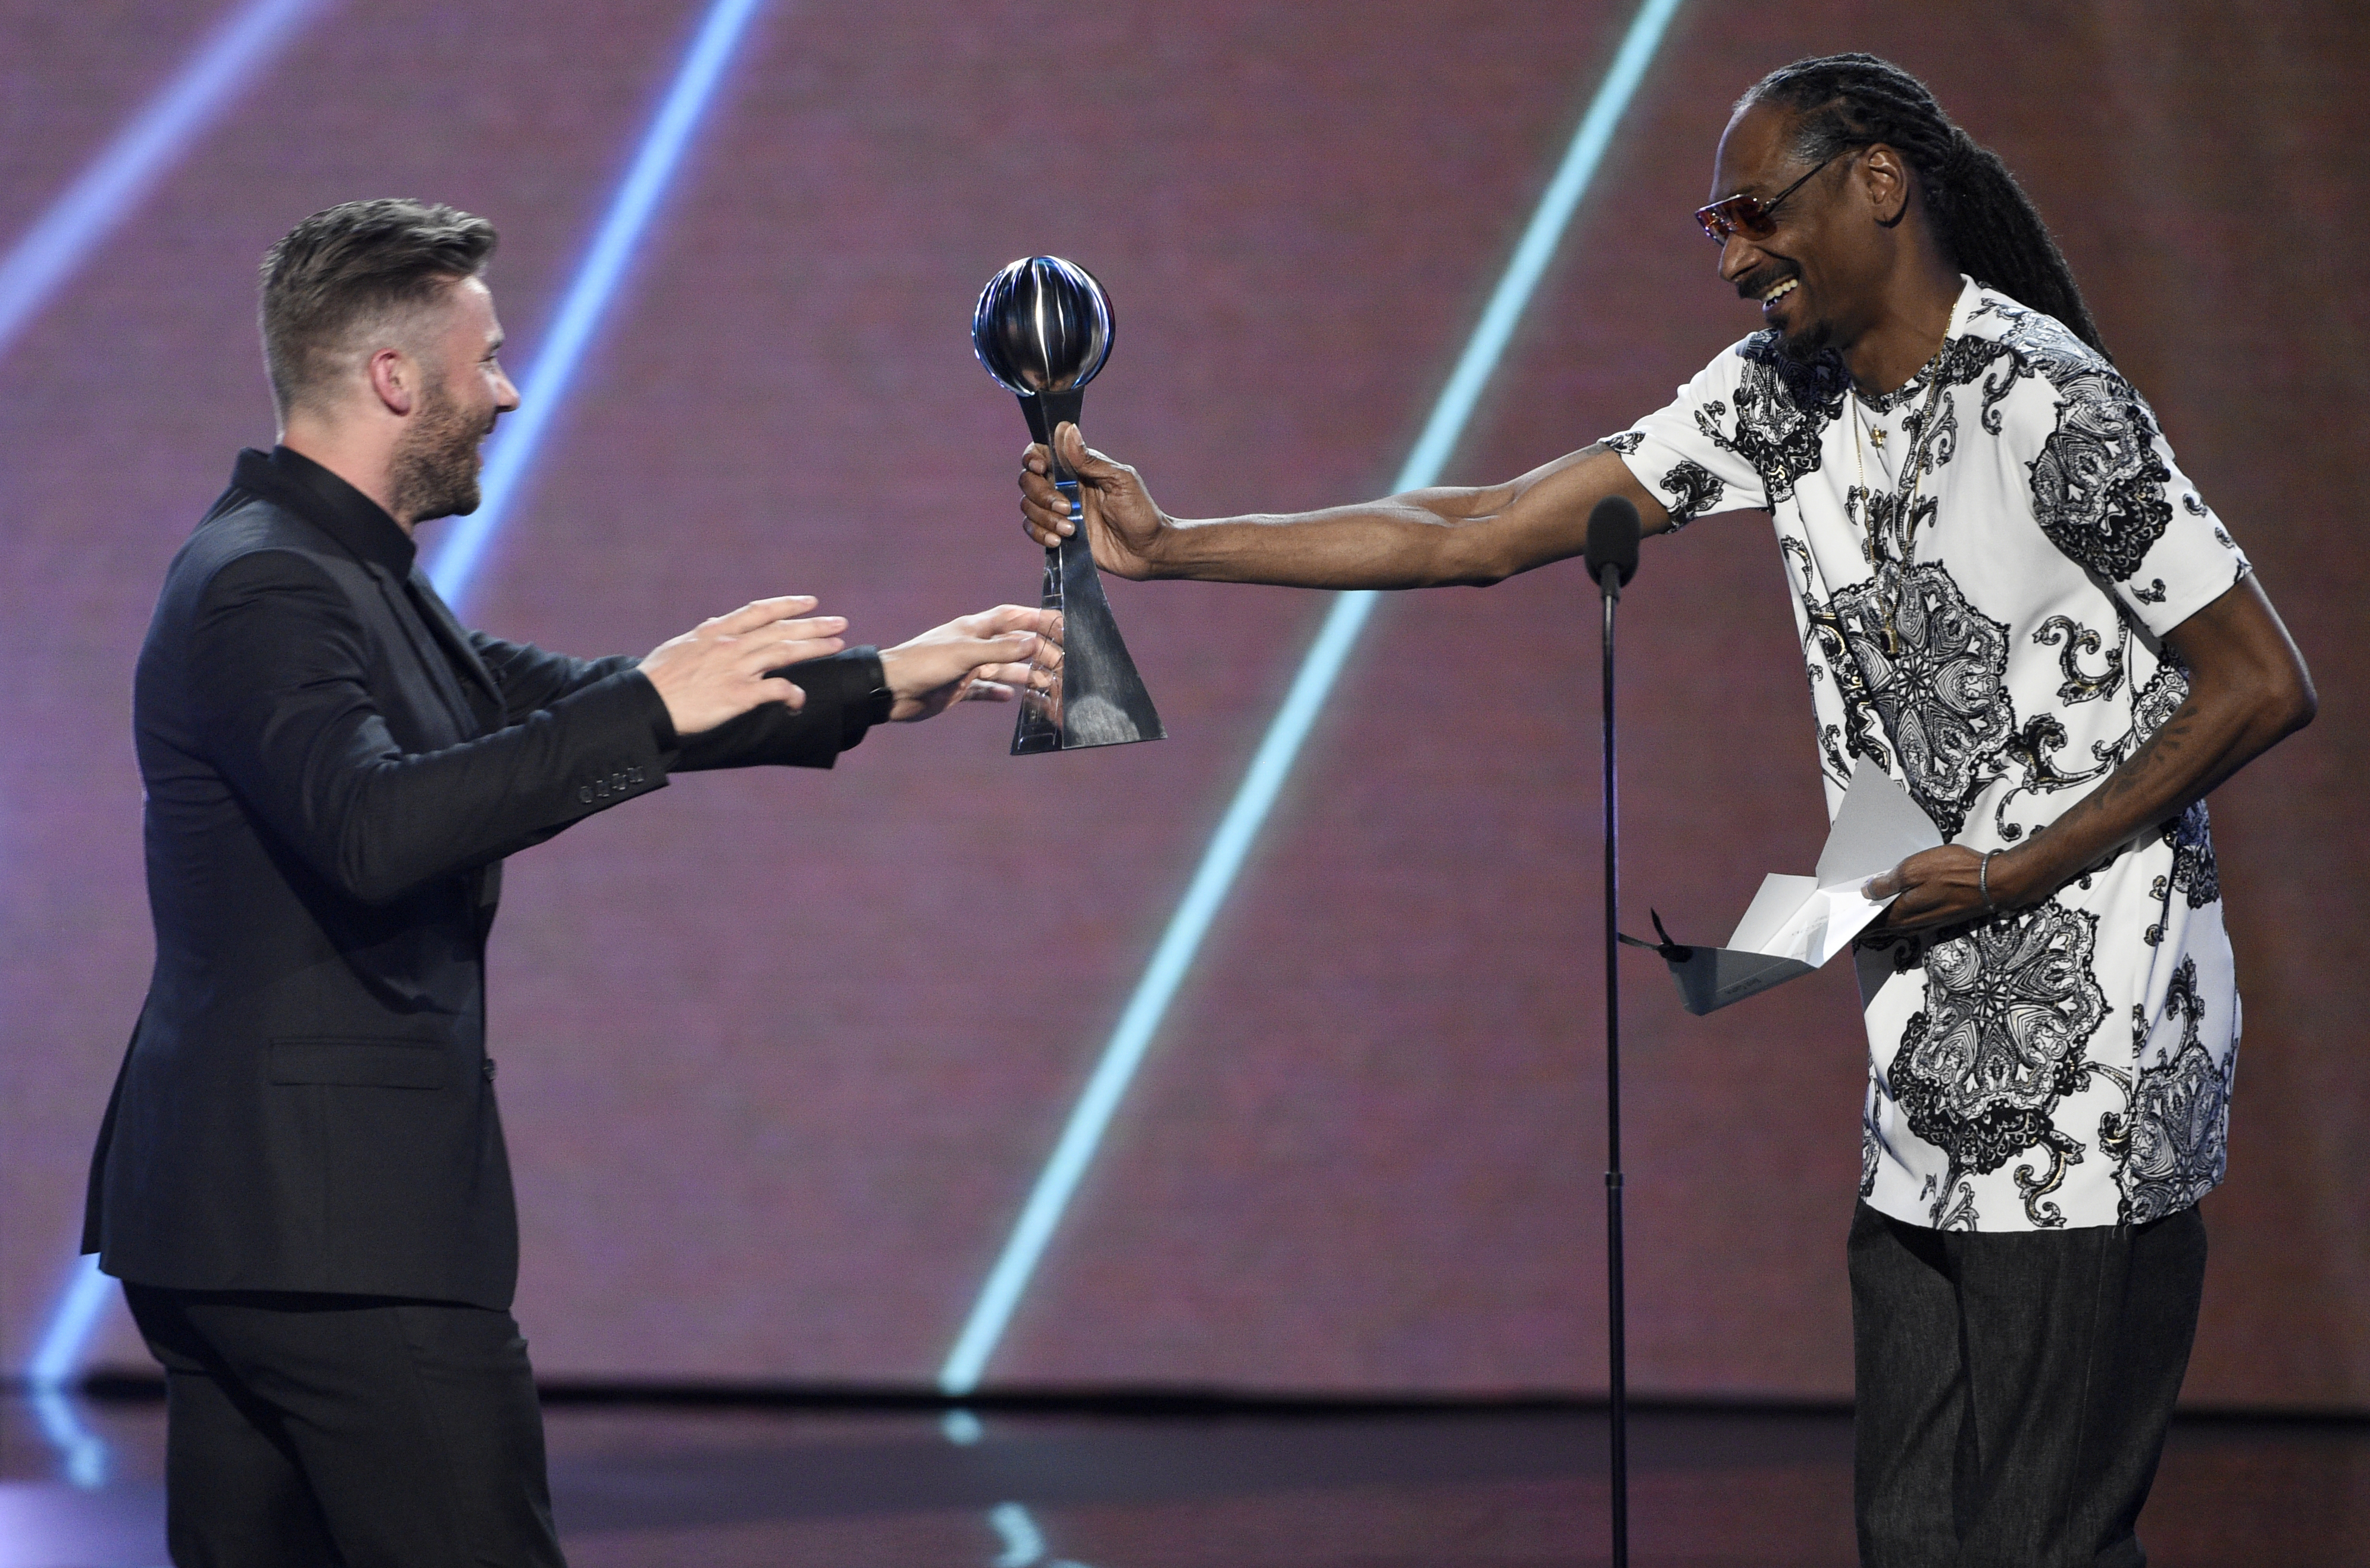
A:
1039, 728
1098, 699
1043, 411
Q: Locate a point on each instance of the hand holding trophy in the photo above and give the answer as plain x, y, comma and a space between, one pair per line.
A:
1043, 329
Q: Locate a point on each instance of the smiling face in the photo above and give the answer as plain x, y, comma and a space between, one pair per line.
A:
434, 472
1819, 277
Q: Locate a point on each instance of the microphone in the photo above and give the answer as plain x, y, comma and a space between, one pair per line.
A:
1612, 560
1613, 543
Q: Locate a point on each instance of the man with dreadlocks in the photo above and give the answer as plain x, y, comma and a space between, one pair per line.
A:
2012, 600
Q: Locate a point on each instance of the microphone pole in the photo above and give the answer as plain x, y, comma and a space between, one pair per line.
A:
1613, 530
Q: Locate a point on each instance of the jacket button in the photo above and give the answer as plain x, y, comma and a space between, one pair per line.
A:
584, 794
489, 1070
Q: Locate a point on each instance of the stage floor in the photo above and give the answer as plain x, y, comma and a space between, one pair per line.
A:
646, 1485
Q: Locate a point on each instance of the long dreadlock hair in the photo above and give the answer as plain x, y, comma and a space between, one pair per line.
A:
1984, 220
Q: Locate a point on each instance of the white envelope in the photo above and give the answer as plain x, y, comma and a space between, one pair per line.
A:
1796, 923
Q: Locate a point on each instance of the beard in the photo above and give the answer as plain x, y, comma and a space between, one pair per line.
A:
1807, 342
434, 472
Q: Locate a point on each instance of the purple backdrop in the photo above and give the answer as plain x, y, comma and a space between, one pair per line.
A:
782, 1053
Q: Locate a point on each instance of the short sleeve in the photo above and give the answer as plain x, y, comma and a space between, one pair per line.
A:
2107, 492
1685, 453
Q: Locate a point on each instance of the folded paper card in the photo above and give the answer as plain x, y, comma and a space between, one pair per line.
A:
1797, 923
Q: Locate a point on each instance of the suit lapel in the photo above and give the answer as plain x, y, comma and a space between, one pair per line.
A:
427, 649
460, 651
447, 627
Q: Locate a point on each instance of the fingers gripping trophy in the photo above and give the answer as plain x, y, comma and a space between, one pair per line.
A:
1044, 329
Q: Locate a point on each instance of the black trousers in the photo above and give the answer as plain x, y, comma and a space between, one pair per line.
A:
2014, 1388
306, 1431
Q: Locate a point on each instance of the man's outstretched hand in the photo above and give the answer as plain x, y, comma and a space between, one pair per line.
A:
982, 657
1123, 526
717, 670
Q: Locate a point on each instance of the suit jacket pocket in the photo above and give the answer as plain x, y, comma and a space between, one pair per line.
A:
363, 1063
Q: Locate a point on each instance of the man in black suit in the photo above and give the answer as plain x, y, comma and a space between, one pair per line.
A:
301, 1178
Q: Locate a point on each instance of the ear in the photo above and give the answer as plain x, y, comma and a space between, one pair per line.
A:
394, 380
1884, 184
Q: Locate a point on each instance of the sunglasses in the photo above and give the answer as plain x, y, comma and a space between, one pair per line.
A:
1750, 216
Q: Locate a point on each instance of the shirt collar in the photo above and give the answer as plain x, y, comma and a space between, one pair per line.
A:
1969, 294
329, 504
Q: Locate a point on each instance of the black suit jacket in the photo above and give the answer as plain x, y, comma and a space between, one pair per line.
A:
335, 770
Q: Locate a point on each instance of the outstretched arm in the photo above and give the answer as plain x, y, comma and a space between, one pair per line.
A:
982, 657
2247, 690
1420, 539
290, 719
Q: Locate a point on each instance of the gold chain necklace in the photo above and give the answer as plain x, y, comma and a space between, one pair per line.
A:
1906, 511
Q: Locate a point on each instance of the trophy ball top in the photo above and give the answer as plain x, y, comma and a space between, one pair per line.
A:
1042, 324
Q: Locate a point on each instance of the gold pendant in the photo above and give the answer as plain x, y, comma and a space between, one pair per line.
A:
1876, 437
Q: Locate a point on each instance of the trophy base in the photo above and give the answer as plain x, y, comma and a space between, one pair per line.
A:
1099, 698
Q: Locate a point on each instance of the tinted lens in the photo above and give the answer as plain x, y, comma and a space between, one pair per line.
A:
1735, 215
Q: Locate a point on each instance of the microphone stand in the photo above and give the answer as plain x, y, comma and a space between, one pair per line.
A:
1608, 582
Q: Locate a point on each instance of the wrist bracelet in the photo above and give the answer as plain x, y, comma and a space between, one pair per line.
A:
1984, 882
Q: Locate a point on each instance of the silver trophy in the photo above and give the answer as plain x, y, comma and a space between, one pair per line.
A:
1043, 329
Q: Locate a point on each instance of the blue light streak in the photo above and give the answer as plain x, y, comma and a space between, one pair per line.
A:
44, 256
544, 389
49, 1374
1181, 941
96, 204
86, 1294
1024, 1544
112, 185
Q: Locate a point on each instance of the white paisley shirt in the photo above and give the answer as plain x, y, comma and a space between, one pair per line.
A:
1988, 632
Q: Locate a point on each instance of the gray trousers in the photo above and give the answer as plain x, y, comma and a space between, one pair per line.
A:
2013, 1388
